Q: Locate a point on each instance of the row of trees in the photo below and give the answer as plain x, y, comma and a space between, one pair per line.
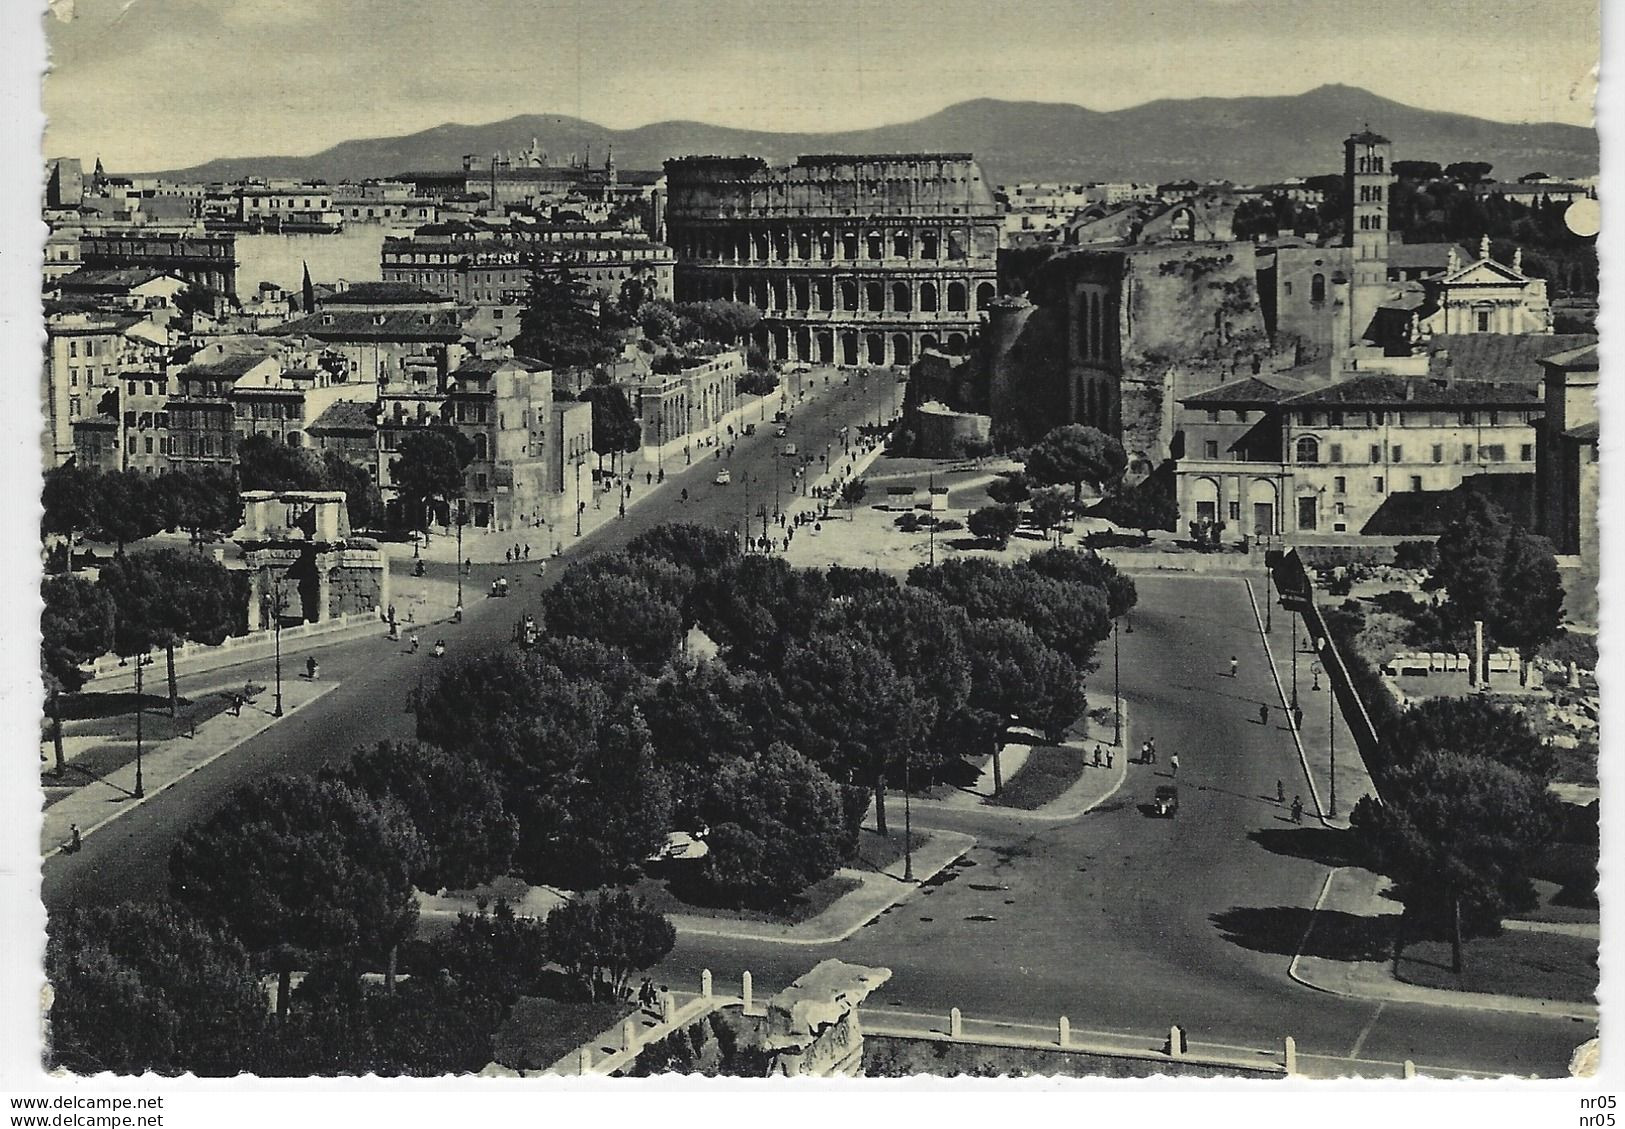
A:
319, 874
125, 506
122, 506
828, 685
138, 602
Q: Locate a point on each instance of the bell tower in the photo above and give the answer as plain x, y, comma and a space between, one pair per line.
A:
1368, 181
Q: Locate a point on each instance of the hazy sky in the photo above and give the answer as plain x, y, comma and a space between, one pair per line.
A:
155, 83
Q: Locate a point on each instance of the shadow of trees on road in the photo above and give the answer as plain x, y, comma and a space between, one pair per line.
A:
1280, 929
1327, 845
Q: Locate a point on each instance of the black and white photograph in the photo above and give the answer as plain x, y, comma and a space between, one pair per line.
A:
697, 540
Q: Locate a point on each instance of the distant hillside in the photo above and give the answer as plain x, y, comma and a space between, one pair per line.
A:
1240, 139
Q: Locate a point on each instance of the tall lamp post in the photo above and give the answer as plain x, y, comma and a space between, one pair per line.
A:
1331, 733
140, 790
276, 633
462, 519
1269, 597
1117, 697
1294, 618
908, 827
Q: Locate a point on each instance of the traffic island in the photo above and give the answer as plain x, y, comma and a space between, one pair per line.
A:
1358, 894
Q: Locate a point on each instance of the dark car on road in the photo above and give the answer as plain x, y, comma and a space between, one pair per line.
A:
1165, 801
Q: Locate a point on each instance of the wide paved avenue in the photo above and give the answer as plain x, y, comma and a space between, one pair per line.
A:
128, 858
1127, 923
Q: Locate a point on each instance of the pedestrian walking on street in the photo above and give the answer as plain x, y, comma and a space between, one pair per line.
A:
75, 840
1280, 792
1173, 764
1097, 756
1297, 717
1151, 744
507, 555
527, 552
648, 478
1233, 666
1297, 809
1263, 715
1108, 758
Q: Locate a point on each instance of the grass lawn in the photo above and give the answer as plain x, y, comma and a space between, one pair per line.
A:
875, 852
668, 897
1048, 772
97, 761
1541, 965
540, 1031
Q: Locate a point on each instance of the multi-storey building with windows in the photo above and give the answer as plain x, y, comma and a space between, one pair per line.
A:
853, 260
1369, 455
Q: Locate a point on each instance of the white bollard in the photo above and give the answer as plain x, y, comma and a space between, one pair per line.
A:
1410, 1069
1291, 1059
629, 1034
955, 1024
705, 983
1173, 1041
1066, 1031
585, 1066
744, 990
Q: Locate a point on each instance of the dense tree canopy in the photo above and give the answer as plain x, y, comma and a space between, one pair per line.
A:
777, 826
1076, 455
75, 627
994, 524
147, 987
560, 325
468, 837
428, 468
295, 866
602, 939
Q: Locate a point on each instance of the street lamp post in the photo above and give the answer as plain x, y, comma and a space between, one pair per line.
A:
140, 789
908, 827
276, 633
1269, 597
579, 506
462, 518
1331, 751
1117, 696
1294, 618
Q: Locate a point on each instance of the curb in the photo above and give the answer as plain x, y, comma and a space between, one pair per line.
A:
1434, 997
687, 924
1291, 723
1049, 813
86, 832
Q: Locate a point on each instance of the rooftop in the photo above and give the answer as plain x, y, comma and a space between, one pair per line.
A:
387, 325
383, 293
344, 415
1389, 391
1498, 356
1250, 391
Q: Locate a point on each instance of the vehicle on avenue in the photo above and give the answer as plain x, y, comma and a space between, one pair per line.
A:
750, 429
1165, 801
781, 432
789, 450
723, 477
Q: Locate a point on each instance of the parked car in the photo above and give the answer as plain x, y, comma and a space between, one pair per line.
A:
750, 429
1165, 801
781, 433
723, 478
789, 450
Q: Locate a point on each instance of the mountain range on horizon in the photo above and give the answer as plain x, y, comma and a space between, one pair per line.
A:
1246, 140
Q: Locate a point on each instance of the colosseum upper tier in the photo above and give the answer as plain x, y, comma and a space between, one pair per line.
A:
853, 260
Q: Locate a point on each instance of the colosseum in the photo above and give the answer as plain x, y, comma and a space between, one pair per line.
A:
853, 260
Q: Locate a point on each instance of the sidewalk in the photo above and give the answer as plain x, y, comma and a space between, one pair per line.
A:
876, 891
487, 546
1319, 738
1094, 786
1357, 892
99, 802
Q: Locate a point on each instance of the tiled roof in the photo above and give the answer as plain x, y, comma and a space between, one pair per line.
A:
108, 280
232, 364
1398, 391
391, 325
1250, 391
1584, 357
382, 293
345, 415
1586, 432
1498, 356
